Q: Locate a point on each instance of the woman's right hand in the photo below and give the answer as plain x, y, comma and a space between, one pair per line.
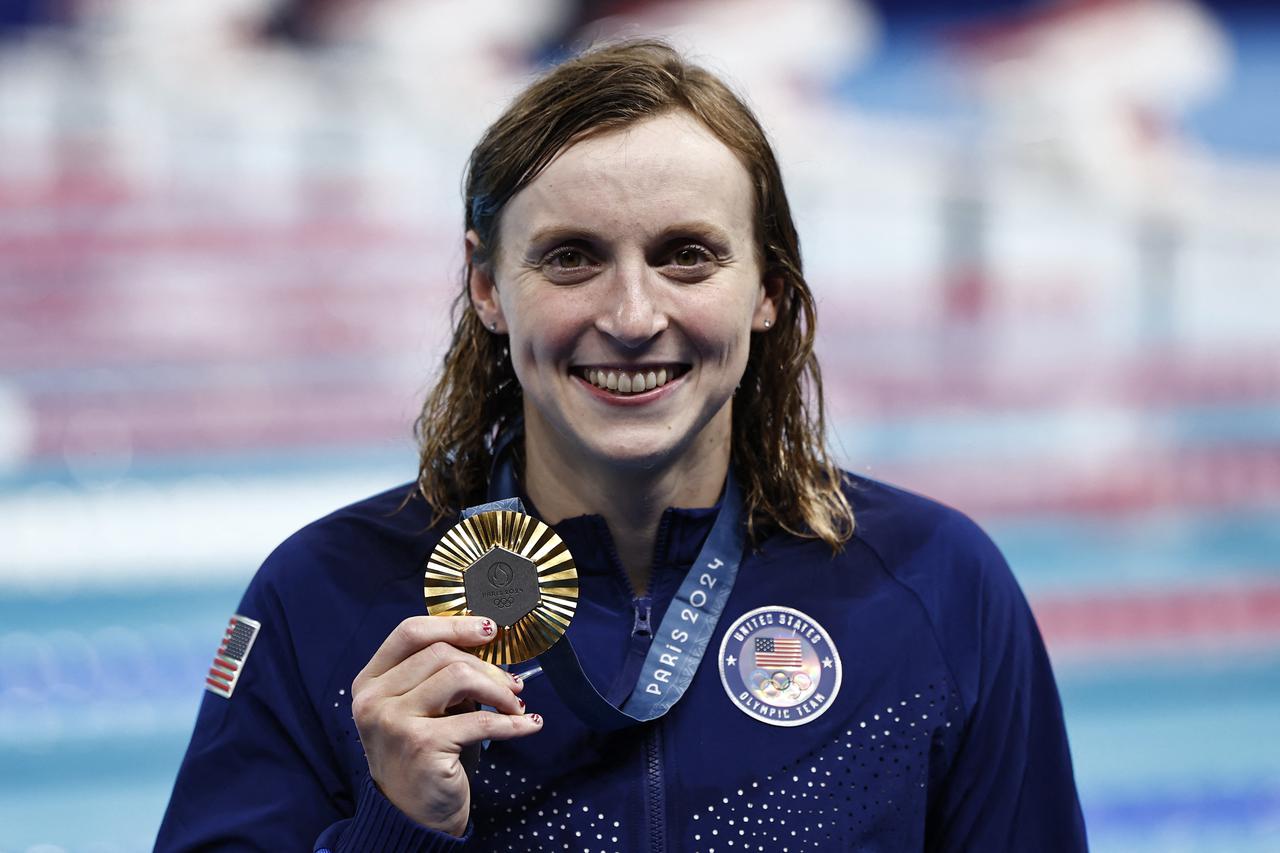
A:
414, 705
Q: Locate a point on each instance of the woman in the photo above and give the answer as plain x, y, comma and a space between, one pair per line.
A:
634, 337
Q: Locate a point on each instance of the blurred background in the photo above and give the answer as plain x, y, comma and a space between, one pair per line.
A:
1045, 238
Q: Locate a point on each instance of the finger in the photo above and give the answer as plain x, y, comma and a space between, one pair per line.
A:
462, 730
423, 664
418, 632
455, 684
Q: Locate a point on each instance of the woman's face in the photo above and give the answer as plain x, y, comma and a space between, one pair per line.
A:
627, 279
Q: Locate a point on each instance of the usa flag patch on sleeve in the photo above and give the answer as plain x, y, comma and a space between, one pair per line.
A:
228, 663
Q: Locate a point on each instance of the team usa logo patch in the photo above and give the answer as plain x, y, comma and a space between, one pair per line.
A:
779, 666
228, 663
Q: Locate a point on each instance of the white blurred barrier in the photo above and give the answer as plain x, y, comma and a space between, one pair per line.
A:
193, 530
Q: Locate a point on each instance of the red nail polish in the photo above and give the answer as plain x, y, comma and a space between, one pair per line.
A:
521, 701
517, 679
486, 627
537, 719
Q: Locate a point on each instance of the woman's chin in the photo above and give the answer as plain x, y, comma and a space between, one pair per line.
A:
590, 445
635, 454
651, 447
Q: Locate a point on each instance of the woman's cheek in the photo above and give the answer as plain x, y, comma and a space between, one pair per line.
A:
548, 331
721, 340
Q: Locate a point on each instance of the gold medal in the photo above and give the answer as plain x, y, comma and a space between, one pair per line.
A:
511, 568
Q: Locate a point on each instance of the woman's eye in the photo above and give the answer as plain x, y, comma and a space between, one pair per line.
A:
569, 260
691, 263
567, 264
688, 257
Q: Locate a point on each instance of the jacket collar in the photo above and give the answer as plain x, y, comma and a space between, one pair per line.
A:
681, 533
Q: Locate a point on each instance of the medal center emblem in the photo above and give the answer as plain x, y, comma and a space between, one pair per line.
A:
499, 574
502, 585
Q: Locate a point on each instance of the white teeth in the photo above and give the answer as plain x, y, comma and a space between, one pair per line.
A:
628, 383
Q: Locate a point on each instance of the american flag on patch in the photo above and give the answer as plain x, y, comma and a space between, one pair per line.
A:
228, 663
779, 653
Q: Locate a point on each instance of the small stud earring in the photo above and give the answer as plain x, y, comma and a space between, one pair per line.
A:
493, 327
768, 323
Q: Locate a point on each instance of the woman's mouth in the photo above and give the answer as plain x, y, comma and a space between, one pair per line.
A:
625, 381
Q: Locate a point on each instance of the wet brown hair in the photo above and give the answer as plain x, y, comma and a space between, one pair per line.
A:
780, 459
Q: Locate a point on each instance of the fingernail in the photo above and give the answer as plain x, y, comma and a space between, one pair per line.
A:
521, 701
486, 628
517, 679
537, 719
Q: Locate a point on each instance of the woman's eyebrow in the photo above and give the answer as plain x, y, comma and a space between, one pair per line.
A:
558, 233
706, 230
698, 229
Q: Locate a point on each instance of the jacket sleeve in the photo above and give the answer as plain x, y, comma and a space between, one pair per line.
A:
261, 773
1010, 785
379, 825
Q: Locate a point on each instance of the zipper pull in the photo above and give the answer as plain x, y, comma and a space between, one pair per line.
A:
641, 627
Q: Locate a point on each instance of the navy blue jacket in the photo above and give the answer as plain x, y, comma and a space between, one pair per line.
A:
946, 732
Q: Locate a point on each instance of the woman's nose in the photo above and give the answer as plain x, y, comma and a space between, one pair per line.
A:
633, 314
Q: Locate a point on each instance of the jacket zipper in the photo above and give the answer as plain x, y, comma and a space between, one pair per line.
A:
655, 800
655, 796
641, 626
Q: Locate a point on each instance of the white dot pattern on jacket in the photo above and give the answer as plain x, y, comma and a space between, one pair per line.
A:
870, 778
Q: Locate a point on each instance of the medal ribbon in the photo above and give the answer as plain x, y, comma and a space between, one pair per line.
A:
680, 641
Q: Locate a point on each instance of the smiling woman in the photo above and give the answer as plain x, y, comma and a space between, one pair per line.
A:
624, 160
632, 363
632, 253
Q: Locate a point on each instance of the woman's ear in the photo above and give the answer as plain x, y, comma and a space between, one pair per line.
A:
483, 288
771, 294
